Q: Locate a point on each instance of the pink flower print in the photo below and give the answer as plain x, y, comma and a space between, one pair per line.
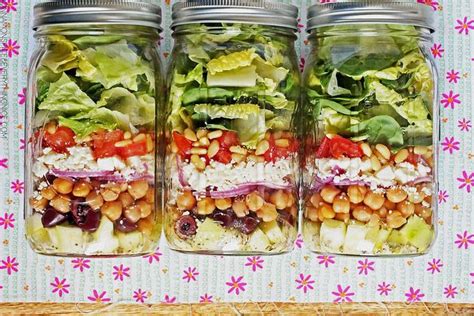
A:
453, 76
467, 181
450, 145
384, 288
120, 272
304, 282
450, 291
60, 287
326, 260
81, 264
464, 25
464, 125
22, 97
7, 221
343, 295
1, 118
414, 295
8, 5
236, 285
433, 4
299, 241
437, 50
22, 144
464, 240
17, 186
434, 266
443, 196
154, 256
205, 298
140, 296
3, 163
169, 299
450, 99
255, 263
190, 274
11, 47
365, 266
10, 265
472, 275
98, 298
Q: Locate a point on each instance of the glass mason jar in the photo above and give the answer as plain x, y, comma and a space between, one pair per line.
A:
95, 84
371, 88
231, 154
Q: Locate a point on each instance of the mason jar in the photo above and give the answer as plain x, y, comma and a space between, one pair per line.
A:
94, 87
371, 99
231, 151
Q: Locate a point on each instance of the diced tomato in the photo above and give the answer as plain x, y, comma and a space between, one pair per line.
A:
228, 139
340, 146
62, 138
184, 145
324, 148
104, 143
413, 158
134, 149
223, 156
275, 152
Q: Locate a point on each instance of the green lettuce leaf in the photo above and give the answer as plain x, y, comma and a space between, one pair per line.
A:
266, 69
385, 95
380, 129
197, 74
90, 40
241, 77
233, 111
231, 61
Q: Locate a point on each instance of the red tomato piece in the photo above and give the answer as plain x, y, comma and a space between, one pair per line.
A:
62, 138
228, 139
223, 156
134, 149
274, 152
413, 158
184, 145
324, 148
340, 146
104, 143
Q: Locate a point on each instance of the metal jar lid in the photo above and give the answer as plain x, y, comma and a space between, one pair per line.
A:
262, 12
406, 12
124, 12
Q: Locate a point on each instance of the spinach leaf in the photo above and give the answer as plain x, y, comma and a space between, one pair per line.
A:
381, 129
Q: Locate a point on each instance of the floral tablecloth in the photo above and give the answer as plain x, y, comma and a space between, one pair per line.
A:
446, 274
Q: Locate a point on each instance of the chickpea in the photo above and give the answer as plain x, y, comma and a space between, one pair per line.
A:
94, 200
138, 189
150, 196
374, 200
48, 193
61, 203
329, 193
123, 186
382, 212
126, 199
132, 213
416, 197
293, 211
280, 199
145, 208
406, 208
374, 220
240, 208
40, 204
206, 206
268, 212
316, 199
344, 217
395, 220
341, 204
396, 195
223, 204
63, 185
186, 201
81, 189
389, 205
362, 213
291, 200
113, 210
109, 195
145, 226
254, 201
422, 211
326, 211
311, 213
356, 193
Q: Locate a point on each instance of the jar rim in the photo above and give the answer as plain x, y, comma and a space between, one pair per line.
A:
118, 12
262, 12
350, 12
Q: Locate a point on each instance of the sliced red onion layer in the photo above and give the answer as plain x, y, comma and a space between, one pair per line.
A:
242, 189
422, 180
132, 177
80, 174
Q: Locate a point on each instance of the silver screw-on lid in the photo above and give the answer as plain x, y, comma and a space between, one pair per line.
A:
261, 12
125, 12
407, 12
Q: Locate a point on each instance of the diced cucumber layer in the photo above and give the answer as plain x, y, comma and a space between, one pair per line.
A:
273, 232
418, 233
258, 241
333, 234
356, 242
103, 239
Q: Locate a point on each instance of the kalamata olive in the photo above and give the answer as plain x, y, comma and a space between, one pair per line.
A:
49, 177
84, 216
125, 226
225, 218
51, 217
185, 226
247, 224
286, 218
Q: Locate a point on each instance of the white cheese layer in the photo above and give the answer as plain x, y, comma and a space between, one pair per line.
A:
224, 177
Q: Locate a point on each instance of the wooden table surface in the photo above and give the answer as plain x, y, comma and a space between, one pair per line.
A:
238, 309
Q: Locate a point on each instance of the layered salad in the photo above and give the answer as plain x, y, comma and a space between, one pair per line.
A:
372, 180
231, 155
92, 174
